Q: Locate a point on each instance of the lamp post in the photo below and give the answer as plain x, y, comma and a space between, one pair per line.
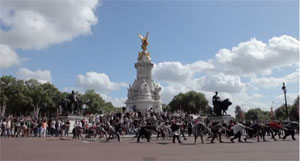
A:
284, 92
2, 98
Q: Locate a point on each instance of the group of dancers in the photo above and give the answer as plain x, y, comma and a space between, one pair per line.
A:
232, 130
165, 125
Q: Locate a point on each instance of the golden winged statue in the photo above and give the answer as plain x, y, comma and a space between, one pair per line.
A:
144, 47
144, 41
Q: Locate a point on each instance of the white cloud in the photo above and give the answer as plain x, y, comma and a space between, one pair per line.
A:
168, 92
290, 98
8, 57
178, 72
200, 66
268, 82
255, 57
185, 80
116, 101
171, 71
42, 76
33, 24
223, 83
98, 81
223, 73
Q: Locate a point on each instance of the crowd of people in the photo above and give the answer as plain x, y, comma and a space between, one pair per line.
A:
165, 125
27, 126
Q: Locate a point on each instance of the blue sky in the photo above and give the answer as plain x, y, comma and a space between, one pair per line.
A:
180, 31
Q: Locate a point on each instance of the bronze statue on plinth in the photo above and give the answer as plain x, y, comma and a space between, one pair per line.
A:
220, 107
71, 105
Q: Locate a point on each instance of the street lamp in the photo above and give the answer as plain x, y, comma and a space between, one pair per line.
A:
284, 92
2, 98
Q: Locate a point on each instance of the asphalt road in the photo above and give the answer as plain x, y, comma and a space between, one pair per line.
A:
51, 148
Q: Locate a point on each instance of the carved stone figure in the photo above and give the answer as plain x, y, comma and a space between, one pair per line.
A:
156, 91
144, 87
130, 92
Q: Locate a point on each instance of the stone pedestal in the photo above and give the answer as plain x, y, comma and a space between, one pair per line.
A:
72, 119
224, 118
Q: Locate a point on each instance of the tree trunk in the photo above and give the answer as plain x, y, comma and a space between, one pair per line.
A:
3, 108
36, 111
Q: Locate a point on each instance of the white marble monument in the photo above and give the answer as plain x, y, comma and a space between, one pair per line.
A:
143, 94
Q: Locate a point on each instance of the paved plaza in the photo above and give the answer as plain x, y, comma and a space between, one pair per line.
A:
51, 148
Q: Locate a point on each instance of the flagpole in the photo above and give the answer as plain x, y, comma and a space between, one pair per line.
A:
272, 112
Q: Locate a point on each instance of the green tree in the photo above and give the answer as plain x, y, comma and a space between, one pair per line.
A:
252, 114
294, 112
20, 97
280, 112
190, 102
51, 97
17, 97
45, 97
257, 115
36, 94
20, 101
264, 115
166, 108
95, 103
108, 107
6, 92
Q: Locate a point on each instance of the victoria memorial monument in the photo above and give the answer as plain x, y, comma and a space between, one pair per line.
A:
144, 93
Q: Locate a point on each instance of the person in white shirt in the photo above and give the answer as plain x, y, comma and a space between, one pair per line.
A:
8, 128
237, 131
52, 127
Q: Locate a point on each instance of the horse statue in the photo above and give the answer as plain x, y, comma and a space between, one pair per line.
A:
64, 105
220, 107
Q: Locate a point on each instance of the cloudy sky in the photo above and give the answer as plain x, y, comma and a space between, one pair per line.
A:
242, 48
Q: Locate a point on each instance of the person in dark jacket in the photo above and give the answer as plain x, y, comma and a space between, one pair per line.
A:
216, 131
146, 131
175, 128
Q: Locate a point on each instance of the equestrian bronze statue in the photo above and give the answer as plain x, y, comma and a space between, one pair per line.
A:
71, 105
220, 107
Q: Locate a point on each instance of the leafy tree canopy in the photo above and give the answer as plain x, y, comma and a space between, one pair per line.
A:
190, 102
21, 97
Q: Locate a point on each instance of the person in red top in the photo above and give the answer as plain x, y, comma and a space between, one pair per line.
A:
44, 128
275, 129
